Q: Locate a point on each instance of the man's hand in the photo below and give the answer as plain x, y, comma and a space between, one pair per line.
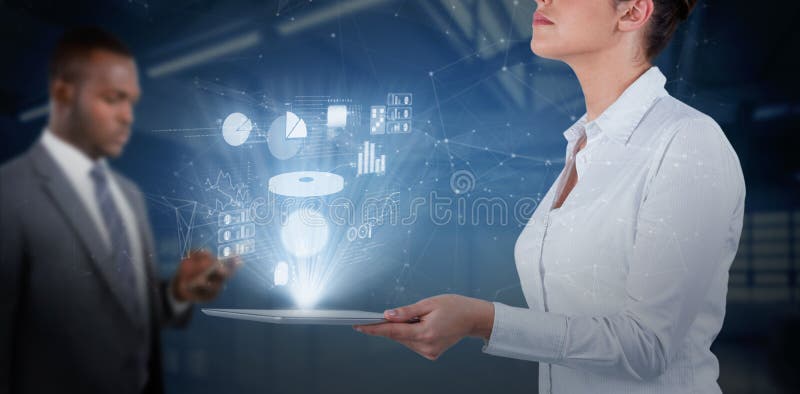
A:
433, 325
201, 276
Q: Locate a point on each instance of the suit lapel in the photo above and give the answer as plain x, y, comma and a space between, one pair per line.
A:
63, 195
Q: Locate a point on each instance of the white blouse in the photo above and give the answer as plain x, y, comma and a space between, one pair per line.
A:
626, 282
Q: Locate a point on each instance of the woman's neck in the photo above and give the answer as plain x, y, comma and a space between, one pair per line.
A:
604, 77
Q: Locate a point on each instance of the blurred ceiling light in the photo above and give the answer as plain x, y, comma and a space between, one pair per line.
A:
325, 14
202, 56
34, 113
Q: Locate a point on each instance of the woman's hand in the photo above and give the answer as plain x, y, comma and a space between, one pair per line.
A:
442, 322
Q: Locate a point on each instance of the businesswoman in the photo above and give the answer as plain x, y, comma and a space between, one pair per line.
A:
624, 264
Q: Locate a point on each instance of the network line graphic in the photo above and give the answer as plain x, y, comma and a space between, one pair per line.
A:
357, 168
229, 195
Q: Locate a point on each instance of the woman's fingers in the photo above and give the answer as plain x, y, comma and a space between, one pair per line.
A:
411, 312
394, 331
442, 321
408, 335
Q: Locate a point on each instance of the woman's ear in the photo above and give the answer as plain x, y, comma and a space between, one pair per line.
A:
634, 14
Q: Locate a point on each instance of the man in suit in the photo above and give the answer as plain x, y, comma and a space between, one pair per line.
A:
80, 304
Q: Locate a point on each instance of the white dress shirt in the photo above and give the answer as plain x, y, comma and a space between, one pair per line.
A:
626, 282
77, 167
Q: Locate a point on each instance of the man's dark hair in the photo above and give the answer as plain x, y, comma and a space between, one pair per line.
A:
75, 47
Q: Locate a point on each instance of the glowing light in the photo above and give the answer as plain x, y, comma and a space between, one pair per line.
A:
281, 274
305, 295
305, 233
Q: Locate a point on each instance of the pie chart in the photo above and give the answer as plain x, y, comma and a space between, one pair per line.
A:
285, 136
236, 128
295, 127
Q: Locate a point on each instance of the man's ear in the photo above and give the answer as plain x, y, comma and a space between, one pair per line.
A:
63, 93
634, 14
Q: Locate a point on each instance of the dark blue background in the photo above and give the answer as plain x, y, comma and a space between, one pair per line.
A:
734, 60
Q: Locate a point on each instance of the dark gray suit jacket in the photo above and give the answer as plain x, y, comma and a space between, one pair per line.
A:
63, 325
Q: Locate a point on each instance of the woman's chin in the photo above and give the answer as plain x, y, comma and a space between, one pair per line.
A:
544, 50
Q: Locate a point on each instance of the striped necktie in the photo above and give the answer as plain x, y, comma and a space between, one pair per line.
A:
120, 244
123, 264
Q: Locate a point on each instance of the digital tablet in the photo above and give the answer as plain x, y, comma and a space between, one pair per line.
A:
300, 316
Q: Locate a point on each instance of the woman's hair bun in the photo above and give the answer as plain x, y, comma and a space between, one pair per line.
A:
685, 8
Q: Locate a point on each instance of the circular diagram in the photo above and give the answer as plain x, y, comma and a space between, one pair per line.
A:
285, 136
306, 184
236, 128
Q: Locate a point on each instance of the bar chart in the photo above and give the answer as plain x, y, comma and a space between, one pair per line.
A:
368, 162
